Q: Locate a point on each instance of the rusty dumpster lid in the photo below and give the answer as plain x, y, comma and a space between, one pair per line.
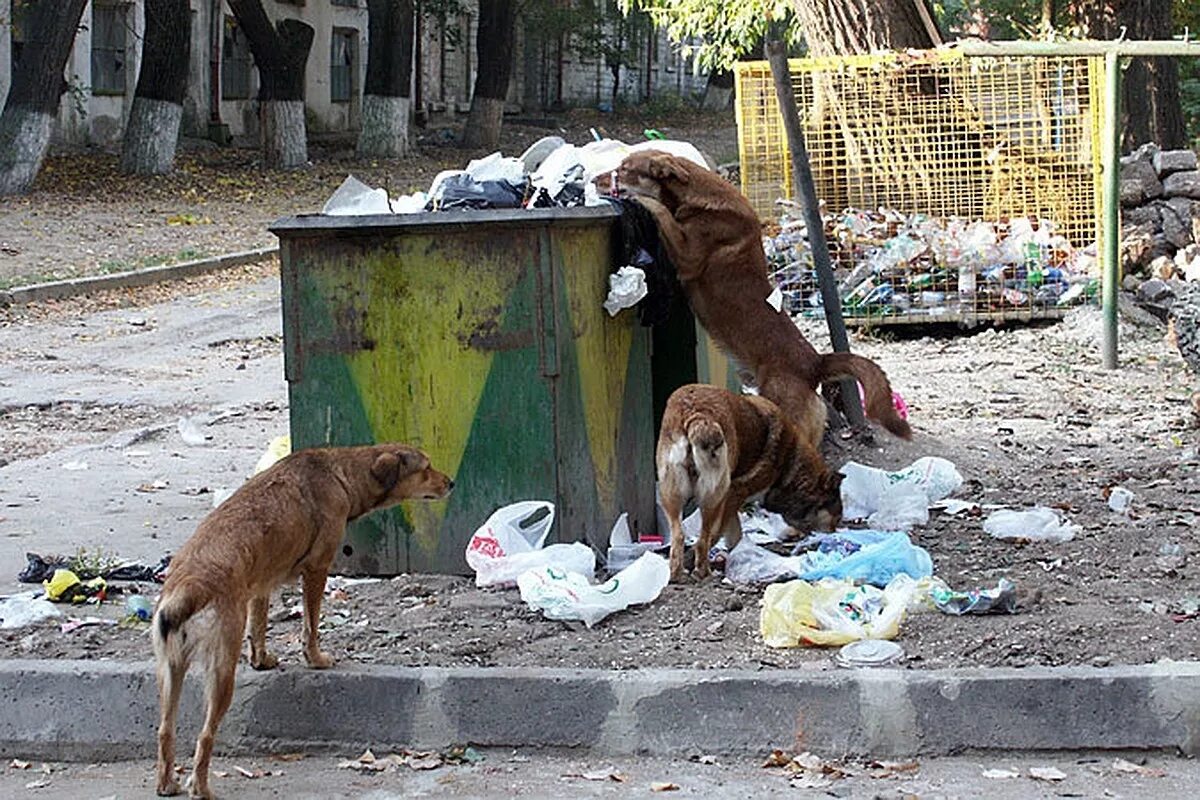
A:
304, 224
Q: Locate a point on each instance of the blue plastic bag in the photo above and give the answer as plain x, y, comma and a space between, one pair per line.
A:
865, 556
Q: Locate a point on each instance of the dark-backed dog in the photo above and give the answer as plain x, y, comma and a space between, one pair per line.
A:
715, 240
286, 522
721, 449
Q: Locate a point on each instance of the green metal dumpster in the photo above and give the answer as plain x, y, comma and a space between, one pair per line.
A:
480, 337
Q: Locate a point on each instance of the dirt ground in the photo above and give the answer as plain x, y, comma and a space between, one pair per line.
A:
1026, 413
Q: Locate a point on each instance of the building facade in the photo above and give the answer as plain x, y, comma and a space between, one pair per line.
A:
550, 72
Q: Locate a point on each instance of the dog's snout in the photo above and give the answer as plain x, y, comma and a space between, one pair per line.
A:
449, 484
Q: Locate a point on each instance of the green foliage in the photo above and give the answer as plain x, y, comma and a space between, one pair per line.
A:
725, 31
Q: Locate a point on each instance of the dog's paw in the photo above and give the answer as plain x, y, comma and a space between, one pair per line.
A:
266, 661
319, 660
197, 792
169, 789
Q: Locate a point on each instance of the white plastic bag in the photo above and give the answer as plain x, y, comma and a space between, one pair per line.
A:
510, 542
21, 610
569, 595
354, 197
867, 490
1039, 524
748, 564
902, 507
626, 287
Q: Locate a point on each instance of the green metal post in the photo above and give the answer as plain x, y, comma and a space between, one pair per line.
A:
1112, 205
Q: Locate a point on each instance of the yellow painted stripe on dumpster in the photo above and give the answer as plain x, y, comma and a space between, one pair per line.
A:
602, 349
426, 386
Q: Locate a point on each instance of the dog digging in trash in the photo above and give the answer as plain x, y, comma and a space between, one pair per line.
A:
714, 238
721, 449
284, 523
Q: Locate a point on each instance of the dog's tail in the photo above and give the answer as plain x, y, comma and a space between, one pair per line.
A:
709, 454
176, 607
876, 388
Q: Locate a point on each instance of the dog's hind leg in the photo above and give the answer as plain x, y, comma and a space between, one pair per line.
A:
171, 669
314, 589
222, 655
674, 490
260, 658
712, 516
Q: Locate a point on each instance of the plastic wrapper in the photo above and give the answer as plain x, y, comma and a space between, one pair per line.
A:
833, 613
559, 594
1000, 600
867, 490
20, 611
1039, 524
626, 287
511, 542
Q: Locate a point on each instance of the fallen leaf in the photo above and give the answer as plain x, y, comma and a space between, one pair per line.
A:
664, 786
220, 773
1047, 774
601, 775
777, 758
1121, 765
890, 769
245, 773
809, 761
17, 763
1000, 774
425, 761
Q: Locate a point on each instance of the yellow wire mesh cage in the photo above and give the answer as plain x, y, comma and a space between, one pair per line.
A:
953, 187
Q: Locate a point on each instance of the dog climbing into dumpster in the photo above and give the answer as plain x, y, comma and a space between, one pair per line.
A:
284, 523
722, 449
714, 238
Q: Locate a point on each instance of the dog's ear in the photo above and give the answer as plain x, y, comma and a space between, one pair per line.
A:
666, 167
386, 470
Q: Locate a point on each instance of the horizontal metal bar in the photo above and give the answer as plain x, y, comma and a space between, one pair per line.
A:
1168, 47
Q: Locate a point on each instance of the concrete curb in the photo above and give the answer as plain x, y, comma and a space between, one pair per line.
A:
76, 710
58, 290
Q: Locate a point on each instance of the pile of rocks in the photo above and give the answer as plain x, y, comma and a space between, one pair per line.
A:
1160, 213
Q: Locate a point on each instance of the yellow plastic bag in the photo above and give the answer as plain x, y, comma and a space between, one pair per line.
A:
64, 586
279, 447
832, 612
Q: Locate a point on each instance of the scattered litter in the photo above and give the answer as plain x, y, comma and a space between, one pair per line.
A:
190, 432
607, 774
139, 607
75, 466
1039, 524
1001, 774
869, 653
626, 287
563, 595
762, 526
664, 786
41, 783
17, 763
135, 571
953, 507
64, 586
833, 612
1120, 499
75, 623
1000, 600
39, 568
871, 556
278, 447
20, 611
622, 550
510, 543
775, 299
355, 197
1121, 765
896, 500
1052, 774
414, 760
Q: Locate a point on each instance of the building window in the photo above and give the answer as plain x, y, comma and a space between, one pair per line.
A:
236, 62
108, 49
342, 60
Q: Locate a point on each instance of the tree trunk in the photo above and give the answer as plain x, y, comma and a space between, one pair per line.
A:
851, 27
153, 128
1151, 108
386, 95
37, 85
494, 50
280, 54
718, 91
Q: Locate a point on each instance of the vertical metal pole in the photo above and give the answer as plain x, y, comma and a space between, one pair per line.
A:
1112, 205
806, 192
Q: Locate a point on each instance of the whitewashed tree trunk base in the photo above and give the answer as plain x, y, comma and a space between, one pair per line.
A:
483, 123
717, 98
24, 140
384, 131
150, 137
285, 136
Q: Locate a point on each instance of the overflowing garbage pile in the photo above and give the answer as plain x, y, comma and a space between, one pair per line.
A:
889, 263
551, 173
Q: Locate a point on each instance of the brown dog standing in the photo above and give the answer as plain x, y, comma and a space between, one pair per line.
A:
286, 522
721, 449
715, 240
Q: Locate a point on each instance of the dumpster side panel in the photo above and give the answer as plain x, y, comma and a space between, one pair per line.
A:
605, 465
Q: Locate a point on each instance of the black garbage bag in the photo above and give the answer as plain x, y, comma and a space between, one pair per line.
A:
139, 572
463, 191
641, 246
40, 568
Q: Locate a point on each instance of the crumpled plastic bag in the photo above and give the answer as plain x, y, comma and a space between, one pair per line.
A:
277, 448
66, 587
1038, 524
39, 568
626, 287
510, 543
1000, 600
893, 496
867, 556
22, 610
460, 190
354, 197
833, 613
559, 594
